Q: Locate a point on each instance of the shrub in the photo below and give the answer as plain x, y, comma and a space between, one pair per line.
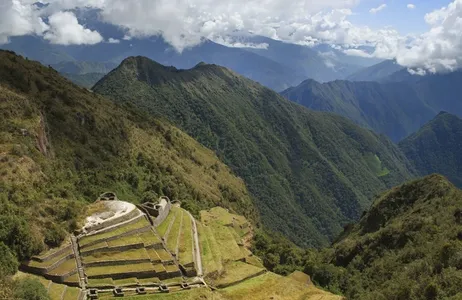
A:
30, 289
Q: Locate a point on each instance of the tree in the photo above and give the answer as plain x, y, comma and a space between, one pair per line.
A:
30, 289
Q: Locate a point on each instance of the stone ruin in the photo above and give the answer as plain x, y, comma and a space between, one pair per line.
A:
159, 210
108, 196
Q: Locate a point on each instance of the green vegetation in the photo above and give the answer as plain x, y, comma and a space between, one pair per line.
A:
185, 247
163, 227
71, 293
211, 258
173, 235
407, 246
435, 148
65, 267
47, 263
61, 146
30, 289
115, 255
108, 270
97, 282
87, 80
125, 282
235, 272
56, 291
305, 170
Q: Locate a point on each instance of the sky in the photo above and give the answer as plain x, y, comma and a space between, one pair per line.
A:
423, 35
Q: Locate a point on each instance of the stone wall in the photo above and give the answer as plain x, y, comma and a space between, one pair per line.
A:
44, 270
163, 213
60, 278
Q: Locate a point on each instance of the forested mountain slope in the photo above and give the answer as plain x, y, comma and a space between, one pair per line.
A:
436, 147
62, 145
407, 246
309, 172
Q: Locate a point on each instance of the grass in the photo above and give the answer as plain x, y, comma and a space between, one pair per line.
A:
227, 245
272, 286
96, 246
108, 270
172, 239
185, 247
149, 238
125, 281
96, 282
142, 222
56, 291
116, 256
193, 294
162, 228
152, 253
210, 258
164, 255
73, 279
65, 267
146, 281
126, 240
236, 271
171, 268
159, 268
48, 263
71, 293
51, 251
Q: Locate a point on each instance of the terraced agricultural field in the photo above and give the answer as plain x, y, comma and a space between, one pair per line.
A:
110, 270
134, 254
172, 236
185, 247
211, 256
140, 223
56, 291
64, 268
163, 227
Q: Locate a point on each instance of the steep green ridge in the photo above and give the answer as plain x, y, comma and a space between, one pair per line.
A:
394, 109
407, 246
309, 172
436, 147
62, 145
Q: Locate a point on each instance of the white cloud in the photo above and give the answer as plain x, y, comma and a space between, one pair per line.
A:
377, 9
66, 30
411, 6
113, 41
357, 52
19, 18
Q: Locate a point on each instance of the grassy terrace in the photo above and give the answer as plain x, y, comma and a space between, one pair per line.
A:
95, 246
56, 291
126, 240
236, 271
71, 293
48, 263
171, 268
72, 279
228, 247
146, 281
125, 281
185, 247
149, 238
51, 251
153, 255
64, 268
172, 239
158, 268
115, 256
93, 282
142, 222
211, 257
164, 255
162, 228
108, 270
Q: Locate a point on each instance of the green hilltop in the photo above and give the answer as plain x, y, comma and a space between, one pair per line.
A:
62, 145
436, 147
308, 172
407, 246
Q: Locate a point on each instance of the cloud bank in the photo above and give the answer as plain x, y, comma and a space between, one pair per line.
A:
186, 23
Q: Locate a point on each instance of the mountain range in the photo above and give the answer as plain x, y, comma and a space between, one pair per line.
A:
396, 109
276, 64
272, 143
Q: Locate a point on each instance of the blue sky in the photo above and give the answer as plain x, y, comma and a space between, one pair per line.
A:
396, 14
